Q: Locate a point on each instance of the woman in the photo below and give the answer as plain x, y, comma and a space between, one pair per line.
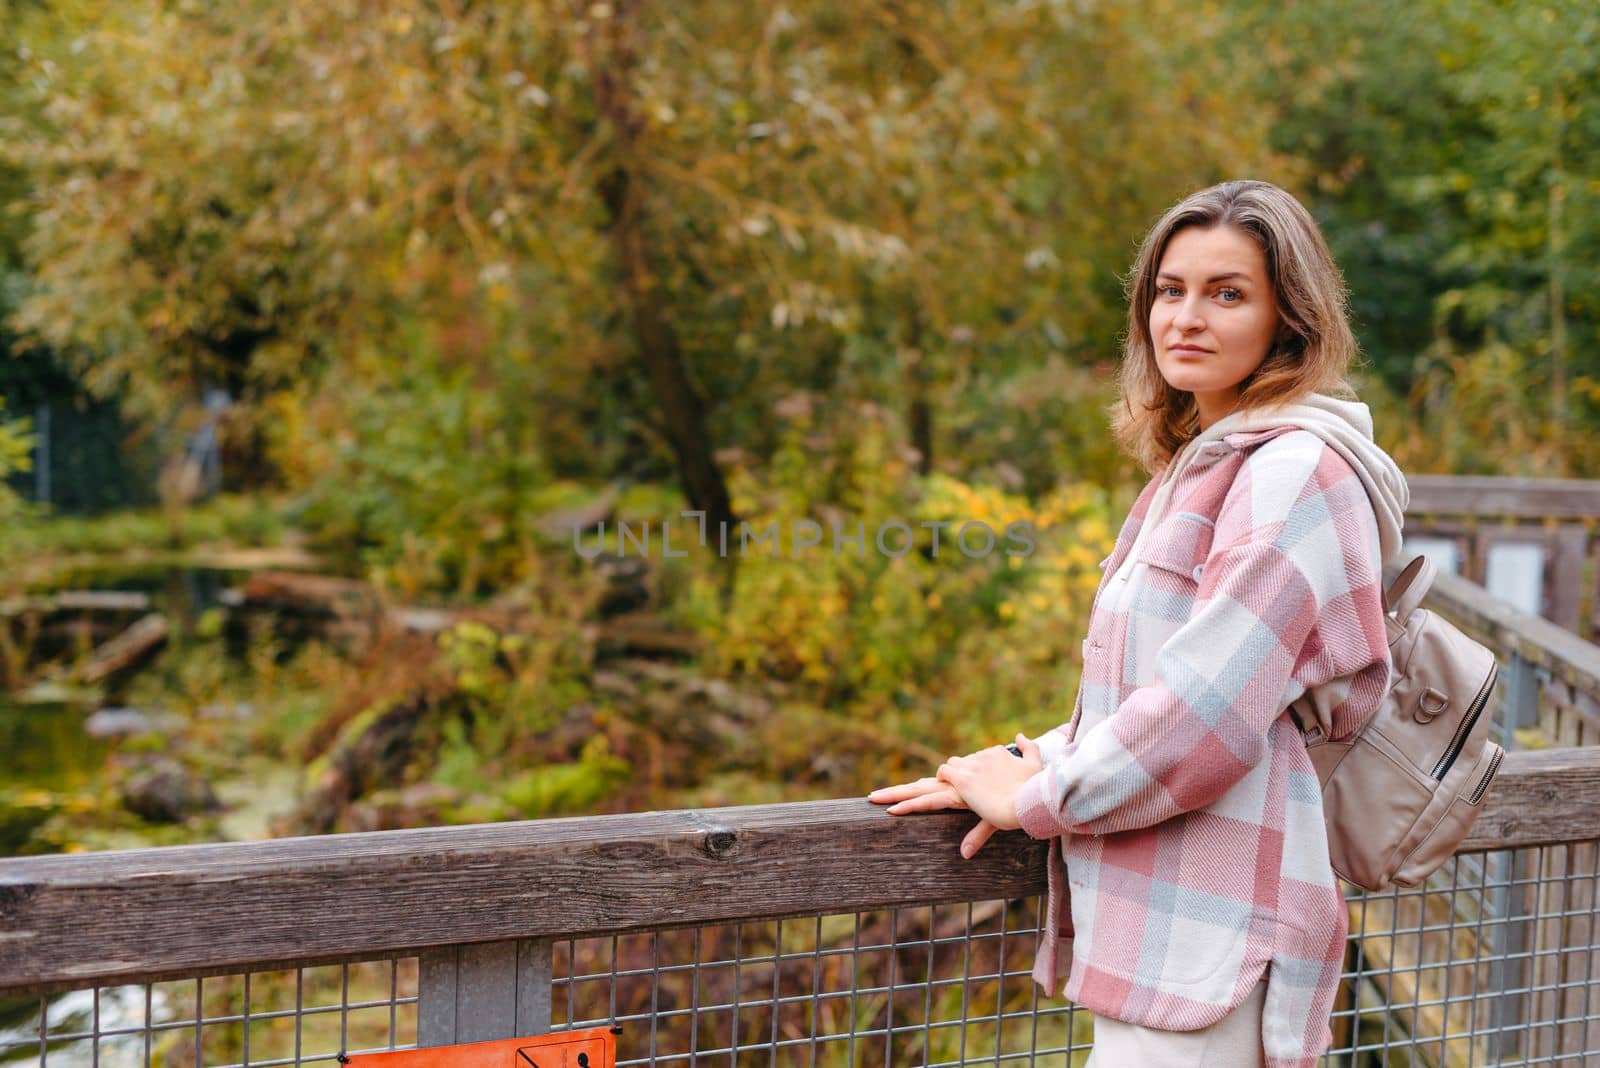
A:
1192, 906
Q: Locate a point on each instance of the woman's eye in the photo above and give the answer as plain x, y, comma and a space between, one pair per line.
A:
1167, 291
1230, 296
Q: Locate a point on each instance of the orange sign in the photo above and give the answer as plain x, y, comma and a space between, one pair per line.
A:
596, 1048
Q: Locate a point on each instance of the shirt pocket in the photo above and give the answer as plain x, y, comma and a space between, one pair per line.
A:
1172, 561
1179, 546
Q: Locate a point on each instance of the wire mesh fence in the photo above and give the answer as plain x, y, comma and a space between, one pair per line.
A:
1493, 962
941, 985
290, 1017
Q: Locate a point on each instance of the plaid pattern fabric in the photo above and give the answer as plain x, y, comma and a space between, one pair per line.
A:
1188, 848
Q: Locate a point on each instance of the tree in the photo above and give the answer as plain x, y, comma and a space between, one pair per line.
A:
905, 198
1454, 146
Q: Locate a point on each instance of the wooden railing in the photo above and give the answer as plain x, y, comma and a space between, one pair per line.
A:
482, 906
1559, 516
1550, 682
489, 931
151, 914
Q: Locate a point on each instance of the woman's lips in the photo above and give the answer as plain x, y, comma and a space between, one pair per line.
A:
1189, 350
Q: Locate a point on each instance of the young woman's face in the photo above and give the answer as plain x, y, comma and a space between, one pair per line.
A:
1214, 315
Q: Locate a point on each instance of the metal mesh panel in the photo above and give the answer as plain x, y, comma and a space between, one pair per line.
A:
1495, 961
300, 1016
941, 985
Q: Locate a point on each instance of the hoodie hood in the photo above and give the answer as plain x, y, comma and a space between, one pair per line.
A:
1346, 426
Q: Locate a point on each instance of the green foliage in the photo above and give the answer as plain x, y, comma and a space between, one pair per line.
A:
431, 479
241, 520
938, 647
513, 693
16, 454
21, 814
1454, 147
569, 788
890, 198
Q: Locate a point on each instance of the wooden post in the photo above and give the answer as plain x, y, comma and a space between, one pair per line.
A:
1508, 898
1348, 1000
1563, 591
483, 991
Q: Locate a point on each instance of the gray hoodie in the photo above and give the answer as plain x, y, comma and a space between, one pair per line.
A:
1345, 425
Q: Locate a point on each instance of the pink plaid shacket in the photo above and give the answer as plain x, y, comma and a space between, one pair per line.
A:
1188, 851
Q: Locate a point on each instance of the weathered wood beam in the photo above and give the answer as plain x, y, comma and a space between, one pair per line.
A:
131, 916
1493, 497
1536, 640
1540, 797
125, 916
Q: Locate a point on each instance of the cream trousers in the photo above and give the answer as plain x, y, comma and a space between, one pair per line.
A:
1232, 1042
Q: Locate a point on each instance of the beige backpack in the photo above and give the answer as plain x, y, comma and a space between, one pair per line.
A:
1399, 795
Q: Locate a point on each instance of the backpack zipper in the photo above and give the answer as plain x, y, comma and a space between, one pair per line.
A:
1459, 739
1483, 783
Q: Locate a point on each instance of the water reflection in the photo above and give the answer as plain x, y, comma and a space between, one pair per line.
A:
118, 1014
48, 761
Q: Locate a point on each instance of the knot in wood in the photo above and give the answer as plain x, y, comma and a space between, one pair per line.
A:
721, 843
15, 895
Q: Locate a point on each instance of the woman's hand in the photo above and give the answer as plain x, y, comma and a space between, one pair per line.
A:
988, 782
985, 782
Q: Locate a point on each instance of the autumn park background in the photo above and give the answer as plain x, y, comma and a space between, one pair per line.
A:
323, 322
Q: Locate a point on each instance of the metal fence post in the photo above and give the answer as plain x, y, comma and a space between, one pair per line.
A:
483, 991
1508, 903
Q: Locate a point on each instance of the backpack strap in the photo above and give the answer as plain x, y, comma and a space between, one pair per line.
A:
1409, 587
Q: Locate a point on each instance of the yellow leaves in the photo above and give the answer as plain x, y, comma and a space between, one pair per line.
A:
1079, 555
947, 498
33, 798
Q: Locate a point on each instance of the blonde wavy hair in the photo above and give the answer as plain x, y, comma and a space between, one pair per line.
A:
1312, 352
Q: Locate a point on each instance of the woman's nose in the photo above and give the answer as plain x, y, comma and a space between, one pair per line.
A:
1188, 316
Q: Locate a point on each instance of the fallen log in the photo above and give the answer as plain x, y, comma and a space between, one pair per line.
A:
301, 606
127, 650
559, 526
322, 596
87, 601
643, 635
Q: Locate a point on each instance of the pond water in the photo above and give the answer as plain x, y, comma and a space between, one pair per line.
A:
48, 760
46, 755
118, 1009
